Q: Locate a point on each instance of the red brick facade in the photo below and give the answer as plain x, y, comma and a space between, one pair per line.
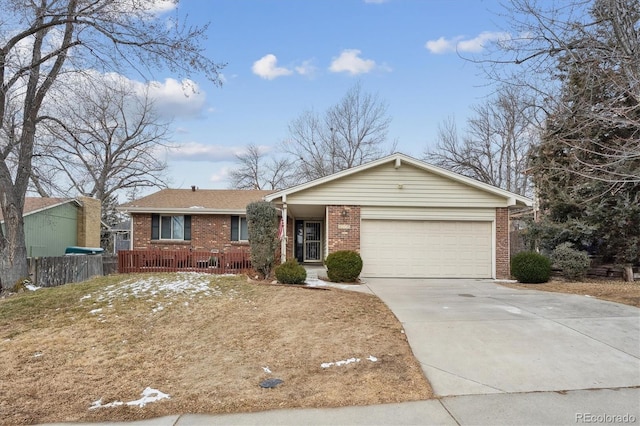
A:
503, 267
344, 228
208, 232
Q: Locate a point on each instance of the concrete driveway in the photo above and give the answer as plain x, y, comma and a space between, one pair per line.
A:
477, 337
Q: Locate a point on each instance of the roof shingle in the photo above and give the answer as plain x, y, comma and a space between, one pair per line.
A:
217, 199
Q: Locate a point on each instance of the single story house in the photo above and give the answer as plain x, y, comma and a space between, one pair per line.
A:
53, 224
191, 219
405, 217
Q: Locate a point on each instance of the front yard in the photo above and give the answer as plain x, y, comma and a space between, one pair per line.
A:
627, 293
197, 344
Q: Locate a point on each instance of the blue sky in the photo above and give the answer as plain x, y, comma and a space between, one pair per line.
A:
287, 56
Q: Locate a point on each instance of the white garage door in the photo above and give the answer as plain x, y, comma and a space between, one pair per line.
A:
406, 248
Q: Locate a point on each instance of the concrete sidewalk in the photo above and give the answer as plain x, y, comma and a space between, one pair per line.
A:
540, 408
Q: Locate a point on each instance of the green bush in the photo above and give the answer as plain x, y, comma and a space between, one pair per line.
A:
262, 227
574, 263
343, 266
531, 267
290, 272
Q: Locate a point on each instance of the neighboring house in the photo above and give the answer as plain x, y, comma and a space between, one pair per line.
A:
53, 224
194, 219
405, 217
120, 236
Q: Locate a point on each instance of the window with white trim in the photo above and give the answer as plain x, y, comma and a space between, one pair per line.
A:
239, 228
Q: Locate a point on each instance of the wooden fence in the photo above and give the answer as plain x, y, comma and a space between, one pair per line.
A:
183, 260
55, 271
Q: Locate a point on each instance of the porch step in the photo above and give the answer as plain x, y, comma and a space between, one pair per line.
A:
312, 275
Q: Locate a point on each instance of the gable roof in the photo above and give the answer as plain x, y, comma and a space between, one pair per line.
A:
397, 158
37, 204
200, 201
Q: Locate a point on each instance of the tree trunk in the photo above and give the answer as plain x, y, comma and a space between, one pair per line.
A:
627, 273
13, 251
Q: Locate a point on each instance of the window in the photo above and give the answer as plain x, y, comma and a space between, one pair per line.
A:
239, 228
170, 227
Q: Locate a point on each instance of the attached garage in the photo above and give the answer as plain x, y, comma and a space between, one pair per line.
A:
406, 218
426, 249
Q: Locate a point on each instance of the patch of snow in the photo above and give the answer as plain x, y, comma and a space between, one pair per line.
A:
95, 311
85, 297
266, 369
148, 395
586, 295
339, 363
31, 287
37, 354
512, 309
445, 307
372, 358
99, 404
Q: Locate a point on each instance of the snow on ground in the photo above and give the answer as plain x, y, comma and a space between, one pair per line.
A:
148, 395
158, 290
347, 361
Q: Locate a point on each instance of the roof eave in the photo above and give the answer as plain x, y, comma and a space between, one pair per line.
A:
183, 211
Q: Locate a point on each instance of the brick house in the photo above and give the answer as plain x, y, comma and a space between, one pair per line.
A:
191, 219
405, 217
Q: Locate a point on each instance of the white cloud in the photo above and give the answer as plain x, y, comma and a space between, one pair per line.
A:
173, 98
221, 175
196, 151
351, 62
459, 44
267, 68
306, 68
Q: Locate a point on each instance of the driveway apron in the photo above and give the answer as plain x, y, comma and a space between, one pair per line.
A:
478, 337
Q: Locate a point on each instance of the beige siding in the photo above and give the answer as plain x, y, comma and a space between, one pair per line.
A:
406, 186
436, 213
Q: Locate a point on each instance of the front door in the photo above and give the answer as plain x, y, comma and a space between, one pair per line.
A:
312, 241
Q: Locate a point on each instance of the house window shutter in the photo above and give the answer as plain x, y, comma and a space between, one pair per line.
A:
155, 226
187, 228
235, 228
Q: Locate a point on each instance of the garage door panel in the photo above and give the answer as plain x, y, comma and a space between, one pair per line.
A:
399, 248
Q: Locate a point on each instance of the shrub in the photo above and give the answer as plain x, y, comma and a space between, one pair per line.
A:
290, 272
531, 267
574, 263
343, 266
262, 227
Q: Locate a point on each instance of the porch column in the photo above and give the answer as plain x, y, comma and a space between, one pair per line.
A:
283, 241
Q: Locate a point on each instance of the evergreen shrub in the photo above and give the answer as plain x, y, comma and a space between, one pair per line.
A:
531, 267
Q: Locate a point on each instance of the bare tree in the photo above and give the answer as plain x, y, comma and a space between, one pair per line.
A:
563, 51
42, 40
256, 170
350, 133
495, 146
109, 139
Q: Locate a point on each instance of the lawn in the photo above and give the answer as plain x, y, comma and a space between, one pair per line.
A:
197, 344
627, 293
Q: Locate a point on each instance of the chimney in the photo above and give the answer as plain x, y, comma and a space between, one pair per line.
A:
193, 188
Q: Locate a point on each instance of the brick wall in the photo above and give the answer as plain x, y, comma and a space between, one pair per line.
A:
344, 228
208, 232
88, 225
503, 267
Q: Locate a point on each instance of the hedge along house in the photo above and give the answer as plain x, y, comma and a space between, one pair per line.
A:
406, 218
53, 224
191, 219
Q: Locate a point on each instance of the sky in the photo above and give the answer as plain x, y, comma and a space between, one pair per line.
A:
285, 57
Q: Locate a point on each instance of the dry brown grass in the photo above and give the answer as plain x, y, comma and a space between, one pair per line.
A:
627, 293
206, 351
